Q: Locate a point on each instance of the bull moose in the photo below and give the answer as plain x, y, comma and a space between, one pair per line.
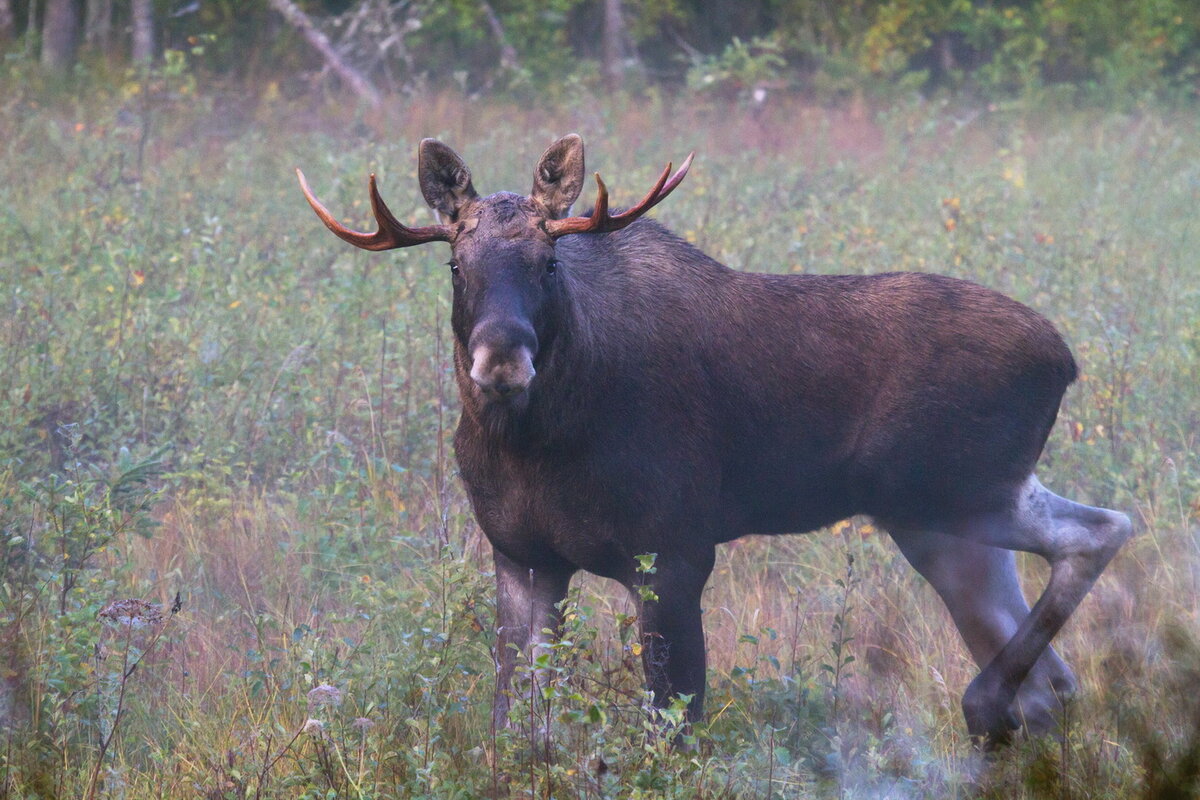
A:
624, 394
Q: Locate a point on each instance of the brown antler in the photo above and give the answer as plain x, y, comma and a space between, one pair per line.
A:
391, 233
602, 222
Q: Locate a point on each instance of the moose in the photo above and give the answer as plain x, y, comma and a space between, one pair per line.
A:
625, 394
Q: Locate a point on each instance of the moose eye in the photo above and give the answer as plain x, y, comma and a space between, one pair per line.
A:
453, 265
551, 266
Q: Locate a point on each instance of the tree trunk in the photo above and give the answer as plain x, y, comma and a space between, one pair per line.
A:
508, 54
97, 26
7, 22
320, 42
142, 13
60, 34
32, 28
616, 50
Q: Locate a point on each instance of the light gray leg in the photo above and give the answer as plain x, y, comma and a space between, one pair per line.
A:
1078, 541
980, 588
526, 602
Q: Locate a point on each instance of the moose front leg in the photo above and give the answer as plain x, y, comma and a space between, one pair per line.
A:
672, 632
527, 618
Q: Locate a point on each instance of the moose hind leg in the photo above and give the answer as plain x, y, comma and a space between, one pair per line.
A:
982, 592
526, 608
1078, 541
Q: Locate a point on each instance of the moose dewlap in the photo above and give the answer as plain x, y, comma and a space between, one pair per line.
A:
623, 393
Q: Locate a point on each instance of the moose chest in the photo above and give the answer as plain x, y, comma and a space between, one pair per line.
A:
592, 509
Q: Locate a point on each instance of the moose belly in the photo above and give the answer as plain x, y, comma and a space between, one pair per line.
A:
788, 499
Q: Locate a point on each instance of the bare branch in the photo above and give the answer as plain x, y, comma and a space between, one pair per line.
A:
320, 42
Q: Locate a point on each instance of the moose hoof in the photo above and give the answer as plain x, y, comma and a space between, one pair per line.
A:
990, 719
1042, 698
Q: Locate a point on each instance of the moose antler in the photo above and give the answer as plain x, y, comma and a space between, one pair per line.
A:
602, 222
391, 233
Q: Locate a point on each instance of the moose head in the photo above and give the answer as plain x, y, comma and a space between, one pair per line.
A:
503, 263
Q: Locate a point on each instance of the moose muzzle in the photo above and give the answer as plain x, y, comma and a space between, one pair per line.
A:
502, 354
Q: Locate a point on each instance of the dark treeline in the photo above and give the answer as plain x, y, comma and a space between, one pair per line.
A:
1102, 48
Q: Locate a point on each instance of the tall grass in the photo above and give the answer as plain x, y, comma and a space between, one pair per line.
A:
206, 394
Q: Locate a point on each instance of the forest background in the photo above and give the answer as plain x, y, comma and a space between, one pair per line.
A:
1108, 51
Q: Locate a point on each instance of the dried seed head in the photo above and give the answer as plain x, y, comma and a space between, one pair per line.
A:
297, 358
313, 727
324, 695
133, 613
363, 724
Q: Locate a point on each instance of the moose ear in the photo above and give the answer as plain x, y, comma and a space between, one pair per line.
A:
445, 179
558, 178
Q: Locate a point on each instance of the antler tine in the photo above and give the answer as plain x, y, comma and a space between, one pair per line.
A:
678, 177
391, 233
600, 211
602, 222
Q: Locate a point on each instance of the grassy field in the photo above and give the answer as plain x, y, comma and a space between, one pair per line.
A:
207, 397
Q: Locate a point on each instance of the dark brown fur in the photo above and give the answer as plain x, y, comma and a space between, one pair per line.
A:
677, 389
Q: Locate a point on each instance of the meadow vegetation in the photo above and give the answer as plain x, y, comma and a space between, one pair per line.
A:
213, 406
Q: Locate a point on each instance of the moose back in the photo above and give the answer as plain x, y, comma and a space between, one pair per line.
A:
624, 394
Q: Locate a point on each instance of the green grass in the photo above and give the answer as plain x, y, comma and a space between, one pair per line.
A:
206, 393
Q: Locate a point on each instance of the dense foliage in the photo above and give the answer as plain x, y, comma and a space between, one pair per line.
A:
1103, 51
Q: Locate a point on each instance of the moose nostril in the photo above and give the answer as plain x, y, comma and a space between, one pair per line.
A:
481, 367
